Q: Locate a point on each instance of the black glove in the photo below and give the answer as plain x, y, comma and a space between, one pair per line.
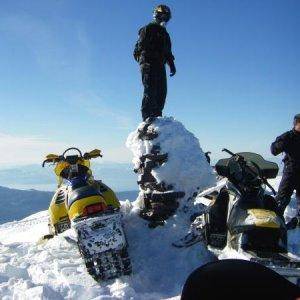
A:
172, 68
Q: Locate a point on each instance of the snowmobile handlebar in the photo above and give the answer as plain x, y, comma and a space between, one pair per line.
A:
228, 151
72, 148
263, 179
53, 158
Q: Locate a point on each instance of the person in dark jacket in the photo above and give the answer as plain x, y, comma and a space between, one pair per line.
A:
152, 51
289, 143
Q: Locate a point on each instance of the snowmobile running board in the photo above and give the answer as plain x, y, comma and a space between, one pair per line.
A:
285, 264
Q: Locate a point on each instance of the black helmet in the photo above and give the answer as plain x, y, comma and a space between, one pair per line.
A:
162, 13
297, 118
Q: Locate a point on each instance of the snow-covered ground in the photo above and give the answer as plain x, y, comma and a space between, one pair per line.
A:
55, 270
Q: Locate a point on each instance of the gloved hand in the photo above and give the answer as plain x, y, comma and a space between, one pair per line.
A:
172, 68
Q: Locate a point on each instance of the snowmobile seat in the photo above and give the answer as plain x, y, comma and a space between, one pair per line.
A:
270, 203
81, 193
81, 201
108, 194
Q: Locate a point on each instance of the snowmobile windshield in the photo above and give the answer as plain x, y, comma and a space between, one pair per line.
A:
267, 169
77, 182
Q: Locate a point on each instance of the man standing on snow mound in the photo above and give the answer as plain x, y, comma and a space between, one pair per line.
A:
289, 143
152, 51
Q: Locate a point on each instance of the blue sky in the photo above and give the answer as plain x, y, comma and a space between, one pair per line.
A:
68, 77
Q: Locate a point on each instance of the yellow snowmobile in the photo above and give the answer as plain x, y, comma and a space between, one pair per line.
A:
92, 209
75, 180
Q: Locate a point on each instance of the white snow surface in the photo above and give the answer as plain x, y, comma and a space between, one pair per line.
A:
55, 270
186, 168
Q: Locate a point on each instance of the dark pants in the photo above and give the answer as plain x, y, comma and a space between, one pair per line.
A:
290, 181
155, 89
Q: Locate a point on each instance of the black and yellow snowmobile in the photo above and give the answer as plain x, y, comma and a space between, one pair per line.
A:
92, 209
241, 218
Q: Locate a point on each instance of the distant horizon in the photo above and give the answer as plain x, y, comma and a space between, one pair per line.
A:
52, 191
278, 159
121, 179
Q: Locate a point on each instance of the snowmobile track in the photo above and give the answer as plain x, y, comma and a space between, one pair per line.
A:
108, 265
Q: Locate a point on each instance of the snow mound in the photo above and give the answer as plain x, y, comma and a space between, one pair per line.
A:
186, 169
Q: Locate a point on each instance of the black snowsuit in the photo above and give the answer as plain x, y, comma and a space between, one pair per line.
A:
152, 51
289, 143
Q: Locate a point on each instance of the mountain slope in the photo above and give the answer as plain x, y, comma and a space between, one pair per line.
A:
17, 204
117, 175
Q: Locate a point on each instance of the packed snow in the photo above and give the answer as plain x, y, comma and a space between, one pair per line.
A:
186, 168
55, 270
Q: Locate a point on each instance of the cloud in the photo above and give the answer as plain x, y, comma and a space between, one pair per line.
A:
94, 104
16, 150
